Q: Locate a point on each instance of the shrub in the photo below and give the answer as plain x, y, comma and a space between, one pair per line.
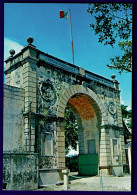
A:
72, 163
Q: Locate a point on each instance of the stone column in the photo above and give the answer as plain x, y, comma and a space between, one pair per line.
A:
105, 151
60, 144
123, 152
120, 123
29, 84
66, 179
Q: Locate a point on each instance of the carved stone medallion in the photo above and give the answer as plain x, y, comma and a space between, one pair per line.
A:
112, 108
47, 92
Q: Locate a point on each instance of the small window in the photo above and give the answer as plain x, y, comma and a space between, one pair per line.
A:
91, 147
47, 144
115, 147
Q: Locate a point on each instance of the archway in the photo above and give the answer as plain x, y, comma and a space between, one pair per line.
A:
87, 122
89, 114
88, 133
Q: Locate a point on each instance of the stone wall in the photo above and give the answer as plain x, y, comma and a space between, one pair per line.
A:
20, 171
13, 119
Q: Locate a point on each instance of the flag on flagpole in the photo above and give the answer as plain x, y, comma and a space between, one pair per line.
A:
67, 14
63, 14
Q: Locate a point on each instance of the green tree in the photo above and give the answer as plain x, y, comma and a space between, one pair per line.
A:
71, 130
124, 111
126, 114
113, 24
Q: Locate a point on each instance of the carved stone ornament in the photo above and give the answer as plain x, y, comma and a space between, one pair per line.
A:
47, 92
112, 108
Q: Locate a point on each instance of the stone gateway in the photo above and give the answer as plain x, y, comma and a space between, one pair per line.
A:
37, 89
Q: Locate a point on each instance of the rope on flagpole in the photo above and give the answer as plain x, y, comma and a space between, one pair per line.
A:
71, 36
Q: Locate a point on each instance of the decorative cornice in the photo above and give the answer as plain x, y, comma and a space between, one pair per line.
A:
82, 78
47, 118
20, 63
19, 153
29, 46
108, 126
108, 166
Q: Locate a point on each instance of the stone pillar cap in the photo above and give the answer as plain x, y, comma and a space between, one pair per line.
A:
30, 40
65, 171
12, 52
113, 76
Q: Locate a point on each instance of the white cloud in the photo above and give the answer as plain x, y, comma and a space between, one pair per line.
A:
122, 101
125, 103
8, 45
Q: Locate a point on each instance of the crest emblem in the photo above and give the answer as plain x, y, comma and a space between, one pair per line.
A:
112, 108
47, 93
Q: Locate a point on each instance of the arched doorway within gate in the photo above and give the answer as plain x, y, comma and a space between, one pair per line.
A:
89, 117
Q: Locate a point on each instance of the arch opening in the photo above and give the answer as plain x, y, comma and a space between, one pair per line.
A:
88, 117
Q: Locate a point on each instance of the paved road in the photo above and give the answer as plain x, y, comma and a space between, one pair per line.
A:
110, 183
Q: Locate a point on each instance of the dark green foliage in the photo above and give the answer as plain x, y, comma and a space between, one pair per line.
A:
124, 111
126, 114
113, 23
71, 130
72, 163
124, 62
129, 125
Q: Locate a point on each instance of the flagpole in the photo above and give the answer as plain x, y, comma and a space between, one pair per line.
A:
71, 36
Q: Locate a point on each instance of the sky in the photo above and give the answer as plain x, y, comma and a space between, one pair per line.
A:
52, 35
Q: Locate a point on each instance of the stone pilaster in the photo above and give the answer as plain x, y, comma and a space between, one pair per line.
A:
119, 113
60, 144
105, 151
123, 153
29, 84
